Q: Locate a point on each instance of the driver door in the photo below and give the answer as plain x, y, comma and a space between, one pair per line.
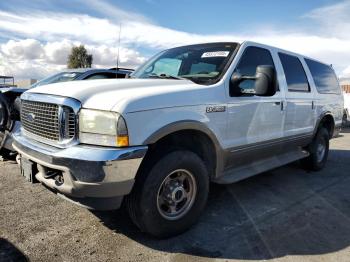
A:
255, 123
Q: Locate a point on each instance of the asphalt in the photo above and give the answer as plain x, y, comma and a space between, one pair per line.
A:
286, 214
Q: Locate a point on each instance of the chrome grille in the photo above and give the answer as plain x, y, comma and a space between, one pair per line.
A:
49, 121
71, 125
41, 119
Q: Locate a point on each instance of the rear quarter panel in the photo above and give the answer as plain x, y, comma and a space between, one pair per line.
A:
332, 103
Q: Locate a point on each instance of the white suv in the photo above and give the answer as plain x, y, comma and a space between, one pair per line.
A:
217, 112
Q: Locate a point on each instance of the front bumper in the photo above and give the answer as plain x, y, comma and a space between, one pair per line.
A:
91, 176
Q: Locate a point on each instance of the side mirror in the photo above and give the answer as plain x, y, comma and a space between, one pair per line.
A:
263, 82
236, 80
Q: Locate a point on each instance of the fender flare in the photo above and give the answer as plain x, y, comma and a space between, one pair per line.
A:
178, 126
319, 120
189, 125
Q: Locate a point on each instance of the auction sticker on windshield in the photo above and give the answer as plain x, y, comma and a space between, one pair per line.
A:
216, 54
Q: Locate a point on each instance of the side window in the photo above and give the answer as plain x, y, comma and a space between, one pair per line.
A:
101, 76
325, 79
295, 74
250, 60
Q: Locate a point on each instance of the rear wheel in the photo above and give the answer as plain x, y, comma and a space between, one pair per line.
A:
318, 150
169, 198
345, 120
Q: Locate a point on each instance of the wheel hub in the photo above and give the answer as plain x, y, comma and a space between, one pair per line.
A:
176, 194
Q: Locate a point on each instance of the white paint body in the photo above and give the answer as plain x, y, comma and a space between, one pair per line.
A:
148, 105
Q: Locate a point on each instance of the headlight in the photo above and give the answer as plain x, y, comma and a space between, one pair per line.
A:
102, 128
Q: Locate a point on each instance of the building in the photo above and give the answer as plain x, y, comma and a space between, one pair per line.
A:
25, 82
345, 84
346, 88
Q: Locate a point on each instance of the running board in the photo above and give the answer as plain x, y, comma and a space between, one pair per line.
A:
243, 172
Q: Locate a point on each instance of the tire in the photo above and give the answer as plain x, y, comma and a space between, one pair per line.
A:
345, 120
318, 150
5, 121
148, 202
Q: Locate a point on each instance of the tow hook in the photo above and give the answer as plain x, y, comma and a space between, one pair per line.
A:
57, 176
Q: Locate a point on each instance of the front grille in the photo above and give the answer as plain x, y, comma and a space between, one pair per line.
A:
49, 121
71, 124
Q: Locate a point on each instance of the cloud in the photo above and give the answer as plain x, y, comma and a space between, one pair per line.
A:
346, 72
50, 35
30, 58
24, 49
113, 12
57, 52
333, 20
49, 26
25, 69
107, 56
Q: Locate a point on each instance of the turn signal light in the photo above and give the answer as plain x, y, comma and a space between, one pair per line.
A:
122, 141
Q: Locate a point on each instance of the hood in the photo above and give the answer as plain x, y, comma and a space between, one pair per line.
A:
125, 95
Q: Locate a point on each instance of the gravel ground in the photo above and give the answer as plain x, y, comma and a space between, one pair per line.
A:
286, 214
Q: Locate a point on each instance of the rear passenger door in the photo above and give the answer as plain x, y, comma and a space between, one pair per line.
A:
300, 114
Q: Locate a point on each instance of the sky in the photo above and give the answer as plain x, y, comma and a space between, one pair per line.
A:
36, 36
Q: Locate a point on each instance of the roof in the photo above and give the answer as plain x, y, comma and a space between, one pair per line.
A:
7, 77
247, 42
284, 51
84, 70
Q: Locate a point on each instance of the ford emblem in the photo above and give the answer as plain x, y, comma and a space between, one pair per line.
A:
30, 117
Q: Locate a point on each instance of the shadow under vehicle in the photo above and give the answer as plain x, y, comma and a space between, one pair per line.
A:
286, 212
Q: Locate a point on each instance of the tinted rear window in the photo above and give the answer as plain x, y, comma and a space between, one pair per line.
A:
295, 74
325, 79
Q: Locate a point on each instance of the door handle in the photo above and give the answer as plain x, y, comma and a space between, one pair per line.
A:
277, 103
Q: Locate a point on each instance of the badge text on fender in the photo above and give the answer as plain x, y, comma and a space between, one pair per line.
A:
215, 109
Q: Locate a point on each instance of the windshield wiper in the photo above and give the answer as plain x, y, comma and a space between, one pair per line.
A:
166, 76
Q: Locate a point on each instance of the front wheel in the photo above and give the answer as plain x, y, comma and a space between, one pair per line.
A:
318, 150
169, 198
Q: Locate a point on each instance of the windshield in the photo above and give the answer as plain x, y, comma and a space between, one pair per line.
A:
60, 77
202, 64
